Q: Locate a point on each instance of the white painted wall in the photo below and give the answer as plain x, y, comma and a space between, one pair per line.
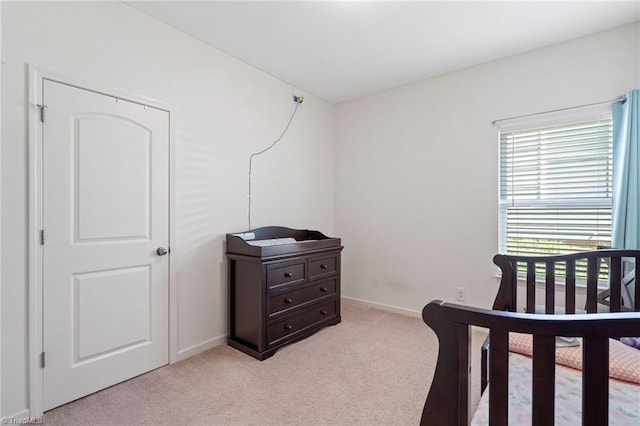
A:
416, 167
414, 191
225, 111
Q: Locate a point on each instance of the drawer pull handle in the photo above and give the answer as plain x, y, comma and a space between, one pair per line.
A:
324, 266
288, 274
288, 300
288, 327
323, 312
324, 289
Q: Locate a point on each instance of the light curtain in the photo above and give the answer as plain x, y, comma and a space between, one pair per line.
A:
626, 174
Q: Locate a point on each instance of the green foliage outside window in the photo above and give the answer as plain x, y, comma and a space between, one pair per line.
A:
548, 247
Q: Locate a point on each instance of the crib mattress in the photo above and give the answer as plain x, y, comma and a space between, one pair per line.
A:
624, 397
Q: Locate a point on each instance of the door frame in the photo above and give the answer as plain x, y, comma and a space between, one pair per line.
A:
36, 77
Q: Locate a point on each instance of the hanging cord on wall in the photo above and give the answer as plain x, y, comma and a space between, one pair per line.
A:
298, 100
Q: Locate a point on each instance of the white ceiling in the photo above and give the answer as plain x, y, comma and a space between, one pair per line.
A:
341, 50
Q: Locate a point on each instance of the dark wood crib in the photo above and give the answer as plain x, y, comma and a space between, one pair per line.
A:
448, 400
573, 273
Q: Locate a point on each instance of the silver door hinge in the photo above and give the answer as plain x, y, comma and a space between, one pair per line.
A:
42, 107
42, 360
42, 237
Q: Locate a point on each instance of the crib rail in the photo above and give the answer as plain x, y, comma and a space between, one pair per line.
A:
563, 269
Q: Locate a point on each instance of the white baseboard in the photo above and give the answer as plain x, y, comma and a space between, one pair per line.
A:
382, 306
201, 347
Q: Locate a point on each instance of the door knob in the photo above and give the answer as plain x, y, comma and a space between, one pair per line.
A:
162, 251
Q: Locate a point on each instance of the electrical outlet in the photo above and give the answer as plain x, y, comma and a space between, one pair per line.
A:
460, 294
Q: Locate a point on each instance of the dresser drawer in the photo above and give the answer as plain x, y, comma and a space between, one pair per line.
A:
300, 296
288, 274
321, 266
284, 328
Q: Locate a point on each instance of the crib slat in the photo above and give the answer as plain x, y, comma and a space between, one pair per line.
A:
615, 284
550, 288
464, 355
531, 287
514, 287
499, 378
544, 371
636, 296
592, 285
570, 282
595, 381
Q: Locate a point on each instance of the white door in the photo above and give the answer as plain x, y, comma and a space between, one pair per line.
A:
105, 214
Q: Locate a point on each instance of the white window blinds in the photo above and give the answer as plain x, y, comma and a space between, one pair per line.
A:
555, 188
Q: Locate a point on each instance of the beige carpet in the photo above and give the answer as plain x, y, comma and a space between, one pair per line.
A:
375, 368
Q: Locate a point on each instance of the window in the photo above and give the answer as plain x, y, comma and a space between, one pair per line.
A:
555, 187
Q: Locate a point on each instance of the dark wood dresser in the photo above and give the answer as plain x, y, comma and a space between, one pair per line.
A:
284, 284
